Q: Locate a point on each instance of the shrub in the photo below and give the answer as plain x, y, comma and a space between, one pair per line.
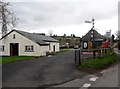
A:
99, 63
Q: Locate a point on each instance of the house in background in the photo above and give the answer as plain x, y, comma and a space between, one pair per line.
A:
87, 40
22, 43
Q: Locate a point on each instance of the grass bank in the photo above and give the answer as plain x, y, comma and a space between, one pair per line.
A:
99, 63
9, 59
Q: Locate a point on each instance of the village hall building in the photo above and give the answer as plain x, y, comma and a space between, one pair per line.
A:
87, 39
22, 43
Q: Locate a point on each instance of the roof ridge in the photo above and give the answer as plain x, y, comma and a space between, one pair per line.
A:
37, 37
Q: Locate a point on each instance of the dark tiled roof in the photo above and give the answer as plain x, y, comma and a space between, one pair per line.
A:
40, 39
88, 36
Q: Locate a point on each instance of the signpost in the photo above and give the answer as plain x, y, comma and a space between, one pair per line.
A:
93, 35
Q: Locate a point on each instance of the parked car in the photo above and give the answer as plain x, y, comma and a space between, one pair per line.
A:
76, 47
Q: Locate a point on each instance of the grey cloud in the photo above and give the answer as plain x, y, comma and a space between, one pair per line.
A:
48, 14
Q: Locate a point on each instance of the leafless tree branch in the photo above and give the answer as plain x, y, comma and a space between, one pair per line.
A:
7, 17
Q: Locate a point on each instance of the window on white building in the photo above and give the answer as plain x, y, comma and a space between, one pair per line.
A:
49, 47
2, 48
29, 48
13, 36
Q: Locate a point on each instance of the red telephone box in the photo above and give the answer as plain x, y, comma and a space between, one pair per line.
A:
106, 44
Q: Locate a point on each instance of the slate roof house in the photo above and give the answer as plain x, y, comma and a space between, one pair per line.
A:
89, 37
22, 43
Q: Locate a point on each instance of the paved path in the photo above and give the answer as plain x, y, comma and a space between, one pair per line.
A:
109, 79
41, 71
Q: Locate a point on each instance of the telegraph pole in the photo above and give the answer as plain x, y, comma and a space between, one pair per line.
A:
93, 38
93, 35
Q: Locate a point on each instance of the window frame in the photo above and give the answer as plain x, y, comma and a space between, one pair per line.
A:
29, 48
2, 48
13, 36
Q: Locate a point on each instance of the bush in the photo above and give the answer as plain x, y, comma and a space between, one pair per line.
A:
99, 63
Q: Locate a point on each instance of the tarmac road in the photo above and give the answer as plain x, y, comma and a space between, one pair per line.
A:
106, 79
42, 71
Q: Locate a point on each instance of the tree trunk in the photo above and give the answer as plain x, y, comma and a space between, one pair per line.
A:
4, 23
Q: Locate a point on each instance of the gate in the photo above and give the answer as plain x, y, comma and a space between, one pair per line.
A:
88, 54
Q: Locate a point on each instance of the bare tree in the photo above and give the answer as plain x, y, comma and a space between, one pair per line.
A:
7, 17
50, 32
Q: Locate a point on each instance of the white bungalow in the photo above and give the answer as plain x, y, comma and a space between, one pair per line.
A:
22, 43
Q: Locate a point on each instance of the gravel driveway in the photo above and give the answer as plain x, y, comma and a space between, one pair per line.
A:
42, 71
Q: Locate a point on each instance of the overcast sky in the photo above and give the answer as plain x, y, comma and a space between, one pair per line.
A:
66, 16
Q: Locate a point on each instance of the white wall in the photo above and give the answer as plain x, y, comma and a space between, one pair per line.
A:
44, 49
23, 41
56, 46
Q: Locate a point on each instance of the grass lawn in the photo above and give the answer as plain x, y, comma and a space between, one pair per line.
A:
9, 59
99, 63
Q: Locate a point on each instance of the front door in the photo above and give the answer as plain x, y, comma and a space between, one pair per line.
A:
54, 48
14, 49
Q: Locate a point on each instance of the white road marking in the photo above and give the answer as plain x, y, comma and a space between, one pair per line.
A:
86, 85
93, 79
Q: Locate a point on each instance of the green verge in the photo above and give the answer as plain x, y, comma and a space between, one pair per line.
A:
99, 63
9, 59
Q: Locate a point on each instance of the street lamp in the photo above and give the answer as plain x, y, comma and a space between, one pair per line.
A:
93, 35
